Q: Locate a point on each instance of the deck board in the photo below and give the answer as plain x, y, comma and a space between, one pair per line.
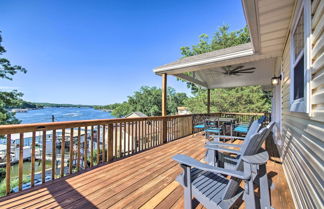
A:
144, 180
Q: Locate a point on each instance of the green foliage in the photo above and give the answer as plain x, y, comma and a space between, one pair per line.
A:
2, 173
8, 99
13, 183
240, 99
45, 104
148, 101
223, 38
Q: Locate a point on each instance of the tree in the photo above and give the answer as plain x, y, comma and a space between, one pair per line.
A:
8, 99
241, 99
148, 101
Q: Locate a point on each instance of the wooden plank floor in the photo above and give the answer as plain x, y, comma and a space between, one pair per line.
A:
145, 180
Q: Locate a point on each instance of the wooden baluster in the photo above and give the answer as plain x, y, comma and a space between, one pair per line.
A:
151, 134
79, 148
157, 132
71, 150
53, 154
128, 136
143, 135
124, 138
110, 141
62, 152
8, 164
85, 148
160, 132
43, 156
91, 148
148, 134
120, 139
136, 136
21, 160
98, 145
116, 140
104, 159
32, 174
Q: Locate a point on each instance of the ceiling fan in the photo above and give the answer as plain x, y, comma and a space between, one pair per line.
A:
228, 70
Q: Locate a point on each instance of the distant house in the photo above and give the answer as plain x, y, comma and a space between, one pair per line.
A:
183, 111
136, 115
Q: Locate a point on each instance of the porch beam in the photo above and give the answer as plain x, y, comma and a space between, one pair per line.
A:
192, 80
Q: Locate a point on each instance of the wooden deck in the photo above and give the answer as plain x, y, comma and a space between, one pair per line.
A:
145, 180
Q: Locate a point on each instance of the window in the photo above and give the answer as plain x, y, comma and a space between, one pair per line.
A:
299, 63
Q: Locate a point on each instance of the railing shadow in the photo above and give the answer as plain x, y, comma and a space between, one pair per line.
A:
57, 193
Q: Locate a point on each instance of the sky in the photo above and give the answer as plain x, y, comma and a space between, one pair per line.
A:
100, 52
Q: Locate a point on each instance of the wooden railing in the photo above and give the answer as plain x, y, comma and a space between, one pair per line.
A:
240, 117
61, 148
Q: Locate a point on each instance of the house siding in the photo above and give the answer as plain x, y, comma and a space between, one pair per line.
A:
302, 148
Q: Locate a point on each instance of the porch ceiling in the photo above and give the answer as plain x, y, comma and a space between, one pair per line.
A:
207, 69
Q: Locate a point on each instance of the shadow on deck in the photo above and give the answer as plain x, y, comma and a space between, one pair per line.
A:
145, 180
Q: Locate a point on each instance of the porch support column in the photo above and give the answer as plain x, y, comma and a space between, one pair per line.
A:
208, 101
164, 94
164, 109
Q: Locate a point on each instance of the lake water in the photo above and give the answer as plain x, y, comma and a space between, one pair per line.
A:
45, 115
61, 114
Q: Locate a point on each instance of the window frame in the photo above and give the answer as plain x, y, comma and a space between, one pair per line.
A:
301, 104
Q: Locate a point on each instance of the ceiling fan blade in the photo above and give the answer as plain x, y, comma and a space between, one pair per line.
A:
247, 72
237, 68
251, 68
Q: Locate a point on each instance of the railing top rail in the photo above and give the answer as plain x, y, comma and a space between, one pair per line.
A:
21, 128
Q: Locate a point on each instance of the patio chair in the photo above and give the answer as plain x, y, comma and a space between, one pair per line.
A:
211, 129
243, 128
219, 154
210, 186
254, 128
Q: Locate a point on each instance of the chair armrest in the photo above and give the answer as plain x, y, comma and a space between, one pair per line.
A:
257, 159
224, 144
217, 148
190, 162
229, 137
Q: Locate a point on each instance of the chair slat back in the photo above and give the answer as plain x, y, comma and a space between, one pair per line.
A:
255, 126
252, 147
234, 183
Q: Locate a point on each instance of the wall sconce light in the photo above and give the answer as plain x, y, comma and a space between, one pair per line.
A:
275, 80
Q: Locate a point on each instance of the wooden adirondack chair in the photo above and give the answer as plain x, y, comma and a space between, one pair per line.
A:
209, 185
210, 156
220, 155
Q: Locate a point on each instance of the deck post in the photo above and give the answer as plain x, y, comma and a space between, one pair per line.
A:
110, 141
164, 107
164, 94
208, 101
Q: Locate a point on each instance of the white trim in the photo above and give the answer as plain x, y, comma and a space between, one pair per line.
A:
301, 104
250, 8
224, 57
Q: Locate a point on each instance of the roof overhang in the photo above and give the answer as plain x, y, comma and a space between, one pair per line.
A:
268, 23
